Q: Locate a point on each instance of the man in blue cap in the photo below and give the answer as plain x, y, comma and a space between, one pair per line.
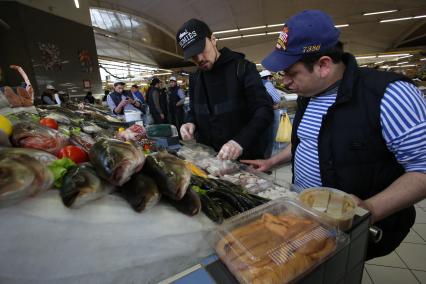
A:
356, 129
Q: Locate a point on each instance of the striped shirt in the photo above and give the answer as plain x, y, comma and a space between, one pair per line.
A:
276, 98
403, 121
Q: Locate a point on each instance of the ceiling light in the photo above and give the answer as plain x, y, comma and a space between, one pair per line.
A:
363, 65
261, 34
273, 33
342, 26
410, 55
380, 12
77, 5
403, 19
400, 63
253, 28
379, 62
226, 31
275, 25
258, 64
408, 65
231, 37
423, 59
393, 55
366, 57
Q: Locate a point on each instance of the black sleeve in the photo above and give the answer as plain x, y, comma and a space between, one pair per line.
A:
192, 82
259, 105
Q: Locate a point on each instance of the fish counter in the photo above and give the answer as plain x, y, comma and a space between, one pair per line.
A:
86, 197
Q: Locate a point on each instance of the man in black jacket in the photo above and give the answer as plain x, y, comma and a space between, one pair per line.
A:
230, 109
155, 104
356, 129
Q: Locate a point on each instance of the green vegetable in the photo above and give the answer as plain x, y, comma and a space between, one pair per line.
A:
198, 189
59, 168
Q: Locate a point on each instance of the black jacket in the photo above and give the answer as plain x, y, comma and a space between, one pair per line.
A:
353, 155
225, 106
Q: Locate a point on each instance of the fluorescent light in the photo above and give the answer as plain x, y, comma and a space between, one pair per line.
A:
419, 17
423, 59
366, 57
275, 25
363, 65
231, 37
392, 55
258, 64
408, 65
261, 34
384, 66
379, 62
272, 33
226, 31
342, 26
380, 12
253, 28
400, 63
410, 55
395, 20
77, 5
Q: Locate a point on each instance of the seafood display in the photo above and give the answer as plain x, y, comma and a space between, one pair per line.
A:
81, 185
116, 161
81, 139
21, 176
190, 204
171, 174
33, 135
141, 192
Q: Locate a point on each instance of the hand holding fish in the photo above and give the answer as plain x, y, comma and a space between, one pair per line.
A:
230, 151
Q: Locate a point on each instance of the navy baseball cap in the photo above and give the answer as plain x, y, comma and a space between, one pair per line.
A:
192, 37
308, 32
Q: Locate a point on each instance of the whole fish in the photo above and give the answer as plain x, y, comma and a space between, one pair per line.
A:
170, 173
90, 127
190, 204
116, 161
21, 176
28, 134
60, 118
41, 156
82, 140
81, 185
141, 192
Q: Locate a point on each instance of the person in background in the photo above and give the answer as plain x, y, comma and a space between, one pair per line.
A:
119, 101
89, 98
63, 97
48, 96
276, 99
136, 94
153, 98
230, 109
359, 130
163, 102
176, 99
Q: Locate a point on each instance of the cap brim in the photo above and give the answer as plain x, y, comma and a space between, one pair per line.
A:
279, 60
195, 48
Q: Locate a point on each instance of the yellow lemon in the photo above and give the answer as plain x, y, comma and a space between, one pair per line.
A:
5, 125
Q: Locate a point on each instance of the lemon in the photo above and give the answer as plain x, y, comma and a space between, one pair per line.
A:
5, 125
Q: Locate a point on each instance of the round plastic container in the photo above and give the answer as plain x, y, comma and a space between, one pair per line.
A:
132, 115
335, 206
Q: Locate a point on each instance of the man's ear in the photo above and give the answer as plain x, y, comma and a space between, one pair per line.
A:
325, 63
214, 40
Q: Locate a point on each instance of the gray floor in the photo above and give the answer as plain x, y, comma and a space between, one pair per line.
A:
407, 264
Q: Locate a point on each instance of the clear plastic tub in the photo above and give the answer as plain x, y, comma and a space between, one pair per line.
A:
334, 206
277, 242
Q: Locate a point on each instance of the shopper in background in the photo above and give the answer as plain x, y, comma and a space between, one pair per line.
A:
48, 96
119, 101
89, 98
176, 99
229, 106
153, 100
356, 129
136, 94
276, 99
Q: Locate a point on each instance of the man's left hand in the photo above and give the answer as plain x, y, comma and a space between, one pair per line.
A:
230, 151
366, 205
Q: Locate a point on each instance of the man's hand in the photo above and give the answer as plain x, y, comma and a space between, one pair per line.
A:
230, 151
187, 131
123, 103
162, 116
260, 165
366, 205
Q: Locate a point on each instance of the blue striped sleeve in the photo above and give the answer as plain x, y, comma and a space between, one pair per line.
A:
403, 121
276, 98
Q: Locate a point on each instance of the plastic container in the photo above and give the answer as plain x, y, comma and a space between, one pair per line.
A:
161, 130
277, 242
334, 206
132, 115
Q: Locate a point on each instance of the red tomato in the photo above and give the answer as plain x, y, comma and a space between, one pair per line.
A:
74, 153
49, 122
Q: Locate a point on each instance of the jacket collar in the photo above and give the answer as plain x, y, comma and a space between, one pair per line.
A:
344, 93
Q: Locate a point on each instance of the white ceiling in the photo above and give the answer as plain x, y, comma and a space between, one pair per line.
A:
364, 35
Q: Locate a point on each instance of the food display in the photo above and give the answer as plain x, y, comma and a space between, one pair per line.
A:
337, 207
275, 243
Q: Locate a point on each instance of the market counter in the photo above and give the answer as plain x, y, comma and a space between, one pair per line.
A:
346, 266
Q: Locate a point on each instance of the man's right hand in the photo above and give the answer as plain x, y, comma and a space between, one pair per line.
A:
260, 165
187, 131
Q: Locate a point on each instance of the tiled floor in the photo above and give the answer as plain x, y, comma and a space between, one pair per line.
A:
406, 265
